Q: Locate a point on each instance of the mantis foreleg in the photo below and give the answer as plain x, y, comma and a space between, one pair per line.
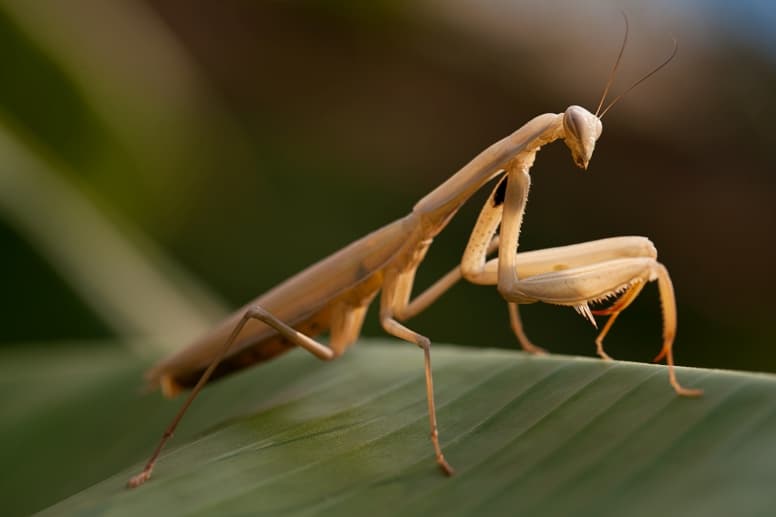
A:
574, 275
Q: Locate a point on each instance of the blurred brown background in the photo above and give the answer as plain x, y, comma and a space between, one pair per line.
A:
238, 142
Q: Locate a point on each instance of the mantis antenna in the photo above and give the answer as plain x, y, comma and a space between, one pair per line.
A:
650, 74
617, 65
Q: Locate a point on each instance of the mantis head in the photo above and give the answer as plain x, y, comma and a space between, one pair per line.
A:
581, 130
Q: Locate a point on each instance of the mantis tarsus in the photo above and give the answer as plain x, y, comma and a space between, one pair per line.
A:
333, 295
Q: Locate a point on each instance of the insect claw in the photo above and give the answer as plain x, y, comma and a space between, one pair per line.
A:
688, 392
584, 311
139, 479
659, 357
445, 467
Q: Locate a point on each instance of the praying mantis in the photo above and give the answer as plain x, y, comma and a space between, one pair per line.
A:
333, 295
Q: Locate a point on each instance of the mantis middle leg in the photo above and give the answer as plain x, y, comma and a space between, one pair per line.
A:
418, 304
394, 300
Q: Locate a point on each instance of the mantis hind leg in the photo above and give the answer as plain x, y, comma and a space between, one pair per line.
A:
345, 327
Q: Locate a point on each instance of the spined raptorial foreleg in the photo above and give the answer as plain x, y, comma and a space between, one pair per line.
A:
575, 275
598, 282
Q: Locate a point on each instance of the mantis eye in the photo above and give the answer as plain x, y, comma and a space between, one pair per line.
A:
572, 122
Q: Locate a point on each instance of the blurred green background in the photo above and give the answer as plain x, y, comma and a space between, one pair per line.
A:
164, 161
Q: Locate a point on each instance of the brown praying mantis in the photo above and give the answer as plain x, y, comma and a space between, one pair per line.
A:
333, 294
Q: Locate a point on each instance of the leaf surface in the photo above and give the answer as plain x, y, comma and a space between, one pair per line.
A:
527, 435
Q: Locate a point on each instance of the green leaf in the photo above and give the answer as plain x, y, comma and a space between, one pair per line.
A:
528, 436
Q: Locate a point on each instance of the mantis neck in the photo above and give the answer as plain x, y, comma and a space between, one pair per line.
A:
441, 204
